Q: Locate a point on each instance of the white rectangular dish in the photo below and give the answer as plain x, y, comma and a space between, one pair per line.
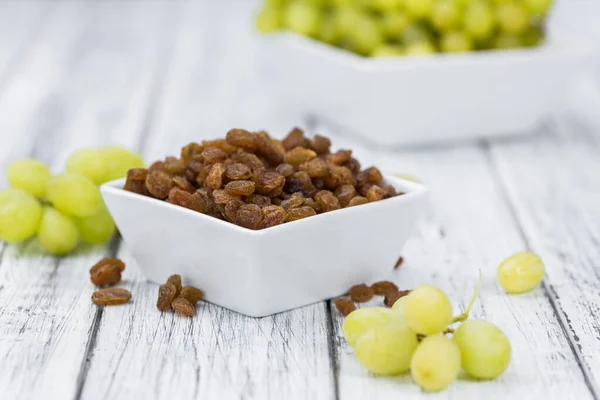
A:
263, 272
410, 100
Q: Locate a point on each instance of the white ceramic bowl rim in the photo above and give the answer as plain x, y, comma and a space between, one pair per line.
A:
409, 188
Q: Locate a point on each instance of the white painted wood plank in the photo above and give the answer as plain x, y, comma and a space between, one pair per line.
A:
552, 182
87, 82
219, 354
468, 227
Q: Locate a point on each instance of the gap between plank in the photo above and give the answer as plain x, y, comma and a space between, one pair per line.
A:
547, 288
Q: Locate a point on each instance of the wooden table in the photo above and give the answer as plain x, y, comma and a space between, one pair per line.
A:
154, 76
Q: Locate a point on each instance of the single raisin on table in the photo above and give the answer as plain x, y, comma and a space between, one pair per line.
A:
108, 261
191, 294
361, 293
344, 306
111, 296
166, 294
183, 307
107, 271
384, 287
175, 280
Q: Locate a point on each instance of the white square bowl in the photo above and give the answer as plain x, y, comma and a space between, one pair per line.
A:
420, 99
263, 272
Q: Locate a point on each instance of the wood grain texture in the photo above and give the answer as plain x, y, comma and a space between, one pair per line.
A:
88, 76
468, 228
219, 354
551, 181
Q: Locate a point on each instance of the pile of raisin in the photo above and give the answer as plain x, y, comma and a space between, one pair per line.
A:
257, 182
181, 299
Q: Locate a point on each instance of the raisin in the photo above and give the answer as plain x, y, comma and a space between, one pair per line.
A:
219, 144
212, 155
135, 182
375, 193
384, 287
159, 184
249, 159
106, 273
231, 209
249, 216
285, 170
205, 202
242, 138
344, 194
221, 196
399, 262
166, 294
267, 181
315, 168
294, 139
344, 306
361, 178
295, 201
203, 174
183, 307
391, 298
312, 204
298, 155
241, 188
320, 144
238, 171
157, 166
174, 166
108, 261
259, 200
390, 191
175, 280
358, 200
188, 152
299, 213
273, 215
191, 294
353, 165
185, 199
318, 183
214, 180
300, 182
111, 296
182, 183
338, 176
361, 293
340, 157
373, 175
327, 201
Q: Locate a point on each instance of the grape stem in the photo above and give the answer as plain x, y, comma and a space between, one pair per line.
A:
448, 330
463, 317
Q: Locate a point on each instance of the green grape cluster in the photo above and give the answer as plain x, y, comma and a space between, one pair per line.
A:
416, 335
390, 28
62, 209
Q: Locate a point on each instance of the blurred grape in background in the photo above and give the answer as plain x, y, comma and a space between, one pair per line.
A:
390, 28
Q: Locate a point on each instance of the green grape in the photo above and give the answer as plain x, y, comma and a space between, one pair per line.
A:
29, 175
506, 41
538, 7
455, 42
118, 161
427, 310
269, 20
416, 33
420, 49
521, 272
436, 363
303, 19
57, 233
388, 51
478, 20
419, 8
97, 228
345, 19
387, 349
360, 321
89, 163
20, 215
533, 36
367, 35
394, 24
512, 18
74, 194
385, 6
328, 31
484, 349
275, 3
399, 306
445, 14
